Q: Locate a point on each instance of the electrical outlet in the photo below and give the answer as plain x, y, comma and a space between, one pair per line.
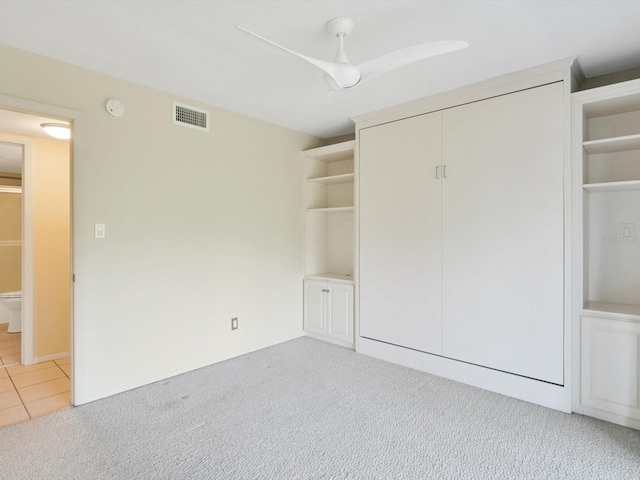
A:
234, 323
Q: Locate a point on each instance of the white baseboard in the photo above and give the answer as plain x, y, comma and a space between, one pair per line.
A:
611, 417
48, 358
79, 399
522, 388
330, 340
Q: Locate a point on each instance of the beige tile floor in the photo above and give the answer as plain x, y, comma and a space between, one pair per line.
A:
33, 390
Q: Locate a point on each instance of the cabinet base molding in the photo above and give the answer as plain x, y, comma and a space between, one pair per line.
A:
545, 394
611, 417
330, 340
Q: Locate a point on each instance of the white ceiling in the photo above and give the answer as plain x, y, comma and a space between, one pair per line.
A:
192, 48
10, 158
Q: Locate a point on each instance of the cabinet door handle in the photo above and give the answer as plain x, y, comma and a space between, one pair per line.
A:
444, 171
438, 172
325, 291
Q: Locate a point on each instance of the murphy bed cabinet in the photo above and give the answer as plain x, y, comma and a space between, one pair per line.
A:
463, 251
329, 233
606, 124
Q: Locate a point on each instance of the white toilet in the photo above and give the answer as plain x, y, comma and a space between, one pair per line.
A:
13, 301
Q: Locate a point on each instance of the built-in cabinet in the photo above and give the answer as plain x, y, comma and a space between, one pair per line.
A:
400, 254
329, 239
463, 215
329, 309
503, 233
606, 125
461, 233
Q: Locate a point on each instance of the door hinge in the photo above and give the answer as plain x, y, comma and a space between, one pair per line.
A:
73, 278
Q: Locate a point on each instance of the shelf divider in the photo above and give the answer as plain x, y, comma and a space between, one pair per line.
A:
614, 144
612, 186
333, 179
617, 310
330, 209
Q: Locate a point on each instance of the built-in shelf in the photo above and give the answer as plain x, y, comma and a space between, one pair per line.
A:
330, 276
334, 179
331, 209
611, 145
332, 153
612, 186
616, 310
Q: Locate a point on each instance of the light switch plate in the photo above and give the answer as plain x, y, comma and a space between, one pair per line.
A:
100, 231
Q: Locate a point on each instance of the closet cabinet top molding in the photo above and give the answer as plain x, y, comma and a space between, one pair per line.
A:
567, 70
332, 153
610, 99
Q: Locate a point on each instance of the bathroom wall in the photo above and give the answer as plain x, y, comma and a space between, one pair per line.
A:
51, 246
200, 227
10, 247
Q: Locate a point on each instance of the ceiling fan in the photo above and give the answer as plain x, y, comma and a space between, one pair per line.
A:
340, 74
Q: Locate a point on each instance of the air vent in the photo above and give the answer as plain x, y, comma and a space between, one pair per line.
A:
190, 117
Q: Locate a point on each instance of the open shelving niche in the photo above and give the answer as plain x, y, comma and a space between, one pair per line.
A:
611, 182
329, 223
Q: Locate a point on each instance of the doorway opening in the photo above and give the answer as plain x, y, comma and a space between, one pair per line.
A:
35, 267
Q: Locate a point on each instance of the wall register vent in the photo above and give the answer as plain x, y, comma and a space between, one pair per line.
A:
191, 117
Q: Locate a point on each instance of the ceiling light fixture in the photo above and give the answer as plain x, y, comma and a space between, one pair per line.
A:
57, 130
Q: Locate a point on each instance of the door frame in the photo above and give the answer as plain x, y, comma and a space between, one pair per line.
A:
69, 115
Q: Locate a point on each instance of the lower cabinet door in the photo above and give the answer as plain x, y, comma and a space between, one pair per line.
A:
315, 305
340, 312
610, 373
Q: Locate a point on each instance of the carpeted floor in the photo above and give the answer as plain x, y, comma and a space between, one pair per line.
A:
306, 409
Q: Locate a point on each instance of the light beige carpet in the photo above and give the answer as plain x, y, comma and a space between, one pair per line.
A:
306, 409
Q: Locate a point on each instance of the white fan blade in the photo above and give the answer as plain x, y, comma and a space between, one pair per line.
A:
342, 73
378, 66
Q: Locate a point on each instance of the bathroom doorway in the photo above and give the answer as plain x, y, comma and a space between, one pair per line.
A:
35, 266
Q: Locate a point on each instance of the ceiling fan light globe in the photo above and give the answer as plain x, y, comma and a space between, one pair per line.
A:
346, 75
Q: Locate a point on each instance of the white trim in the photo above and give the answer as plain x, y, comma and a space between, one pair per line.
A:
522, 388
81, 400
341, 343
48, 358
611, 417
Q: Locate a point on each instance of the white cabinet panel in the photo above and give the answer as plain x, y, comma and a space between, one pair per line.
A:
400, 240
340, 318
503, 233
315, 306
328, 309
610, 357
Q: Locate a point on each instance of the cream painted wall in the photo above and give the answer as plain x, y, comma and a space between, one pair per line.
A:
51, 248
200, 227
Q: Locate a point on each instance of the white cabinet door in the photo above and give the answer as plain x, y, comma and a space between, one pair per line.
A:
610, 374
315, 306
400, 237
340, 312
503, 233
